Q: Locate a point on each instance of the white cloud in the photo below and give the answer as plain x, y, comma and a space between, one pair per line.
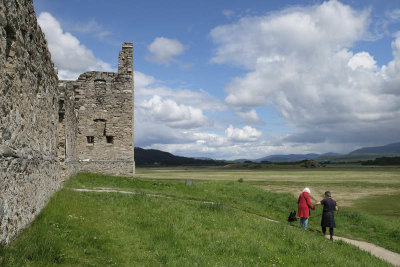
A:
142, 80
393, 15
93, 27
168, 116
163, 50
304, 32
247, 134
147, 86
248, 115
172, 114
363, 60
69, 55
301, 65
228, 13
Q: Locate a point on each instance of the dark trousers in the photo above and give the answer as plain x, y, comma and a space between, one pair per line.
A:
330, 231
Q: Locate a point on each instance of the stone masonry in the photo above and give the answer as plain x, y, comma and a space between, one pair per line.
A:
29, 167
98, 119
51, 129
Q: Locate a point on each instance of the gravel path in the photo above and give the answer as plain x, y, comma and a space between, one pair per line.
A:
382, 253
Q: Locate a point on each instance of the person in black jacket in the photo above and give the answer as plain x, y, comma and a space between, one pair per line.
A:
328, 218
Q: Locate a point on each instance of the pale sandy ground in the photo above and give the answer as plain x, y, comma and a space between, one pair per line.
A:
384, 254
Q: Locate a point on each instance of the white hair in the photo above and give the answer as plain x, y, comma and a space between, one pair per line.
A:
306, 189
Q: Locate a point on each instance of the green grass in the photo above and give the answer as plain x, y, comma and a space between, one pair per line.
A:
330, 174
383, 205
113, 229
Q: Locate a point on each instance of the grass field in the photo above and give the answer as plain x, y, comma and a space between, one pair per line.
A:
167, 223
347, 183
367, 195
114, 229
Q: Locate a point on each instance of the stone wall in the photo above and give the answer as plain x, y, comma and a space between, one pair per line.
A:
103, 103
29, 167
50, 130
67, 129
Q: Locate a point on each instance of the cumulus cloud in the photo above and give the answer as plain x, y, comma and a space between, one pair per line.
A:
300, 64
248, 115
147, 86
171, 117
247, 134
363, 60
172, 114
163, 50
69, 55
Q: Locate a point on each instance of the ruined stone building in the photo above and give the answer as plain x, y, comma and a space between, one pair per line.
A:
51, 129
96, 119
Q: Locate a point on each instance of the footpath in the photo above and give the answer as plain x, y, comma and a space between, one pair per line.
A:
379, 252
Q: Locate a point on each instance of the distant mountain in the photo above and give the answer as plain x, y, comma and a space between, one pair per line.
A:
154, 157
386, 149
330, 154
288, 158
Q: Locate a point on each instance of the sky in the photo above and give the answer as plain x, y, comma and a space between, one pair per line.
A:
242, 79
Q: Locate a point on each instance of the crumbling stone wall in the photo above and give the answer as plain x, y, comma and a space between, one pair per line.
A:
103, 102
67, 129
29, 168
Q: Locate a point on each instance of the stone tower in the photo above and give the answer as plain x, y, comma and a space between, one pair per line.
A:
104, 119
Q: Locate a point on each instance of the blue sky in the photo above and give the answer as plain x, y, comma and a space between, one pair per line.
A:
242, 79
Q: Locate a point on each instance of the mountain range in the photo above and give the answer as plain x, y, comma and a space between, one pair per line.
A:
366, 153
153, 157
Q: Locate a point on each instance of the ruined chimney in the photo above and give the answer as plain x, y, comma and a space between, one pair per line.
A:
125, 59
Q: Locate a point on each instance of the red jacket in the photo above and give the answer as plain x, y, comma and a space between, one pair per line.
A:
304, 204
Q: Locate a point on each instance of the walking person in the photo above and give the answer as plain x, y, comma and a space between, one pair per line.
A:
328, 218
304, 206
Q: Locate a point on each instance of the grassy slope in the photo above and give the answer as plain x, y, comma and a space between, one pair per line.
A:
381, 231
88, 228
383, 205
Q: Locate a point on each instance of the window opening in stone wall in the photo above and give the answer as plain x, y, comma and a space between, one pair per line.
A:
90, 139
100, 89
60, 117
110, 139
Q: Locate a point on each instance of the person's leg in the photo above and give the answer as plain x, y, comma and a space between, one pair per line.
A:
305, 223
324, 230
331, 232
302, 222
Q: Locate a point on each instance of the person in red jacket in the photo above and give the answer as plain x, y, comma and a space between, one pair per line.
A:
304, 206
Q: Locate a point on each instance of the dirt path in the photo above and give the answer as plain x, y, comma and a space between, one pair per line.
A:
382, 253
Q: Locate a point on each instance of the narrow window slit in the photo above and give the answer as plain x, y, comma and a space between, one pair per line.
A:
90, 139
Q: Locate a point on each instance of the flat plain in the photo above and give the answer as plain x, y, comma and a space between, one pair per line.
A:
348, 183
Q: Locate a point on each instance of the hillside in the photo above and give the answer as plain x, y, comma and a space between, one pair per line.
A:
386, 149
289, 157
153, 157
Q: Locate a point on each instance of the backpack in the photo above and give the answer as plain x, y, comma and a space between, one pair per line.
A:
292, 217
